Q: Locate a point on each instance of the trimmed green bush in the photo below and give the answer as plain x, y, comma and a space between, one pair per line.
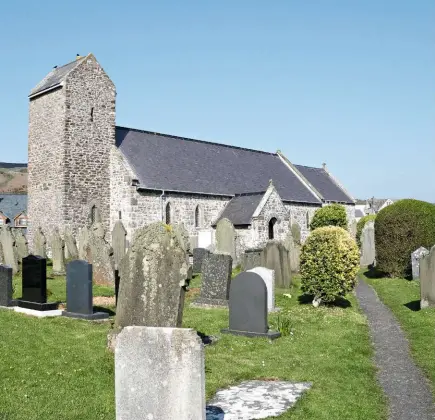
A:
329, 264
360, 226
331, 215
400, 229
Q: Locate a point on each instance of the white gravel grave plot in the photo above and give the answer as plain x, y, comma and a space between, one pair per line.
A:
255, 400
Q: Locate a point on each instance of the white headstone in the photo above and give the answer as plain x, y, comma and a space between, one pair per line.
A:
159, 374
416, 256
268, 277
205, 238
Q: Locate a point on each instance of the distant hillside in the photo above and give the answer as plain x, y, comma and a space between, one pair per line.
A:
13, 177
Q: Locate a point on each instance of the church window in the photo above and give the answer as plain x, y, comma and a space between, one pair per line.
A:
93, 214
272, 228
168, 214
197, 217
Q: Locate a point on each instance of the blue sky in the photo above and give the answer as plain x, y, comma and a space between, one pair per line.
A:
349, 83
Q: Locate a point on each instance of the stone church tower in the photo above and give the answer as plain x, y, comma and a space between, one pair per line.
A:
71, 132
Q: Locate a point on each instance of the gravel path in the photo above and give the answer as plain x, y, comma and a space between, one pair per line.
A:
405, 386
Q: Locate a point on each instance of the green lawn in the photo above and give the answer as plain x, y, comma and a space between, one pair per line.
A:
403, 298
60, 369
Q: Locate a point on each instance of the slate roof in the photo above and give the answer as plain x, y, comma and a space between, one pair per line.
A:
323, 183
55, 77
164, 162
359, 213
240, 209
13, 204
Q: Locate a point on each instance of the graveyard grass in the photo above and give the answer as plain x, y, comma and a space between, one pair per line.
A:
60, 368
403, 298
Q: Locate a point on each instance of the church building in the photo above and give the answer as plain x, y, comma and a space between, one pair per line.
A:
82, 165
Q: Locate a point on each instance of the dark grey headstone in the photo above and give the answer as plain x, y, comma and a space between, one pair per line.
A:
79, 291
248, 307
34, 282
5, 285
276, 257
216, 279
199, 254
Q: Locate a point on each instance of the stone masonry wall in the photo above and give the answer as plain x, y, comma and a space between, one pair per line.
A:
302, 215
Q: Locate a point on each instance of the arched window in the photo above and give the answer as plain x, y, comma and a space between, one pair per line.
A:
197, 217
93, 214
272, 223
308, 219
168, 214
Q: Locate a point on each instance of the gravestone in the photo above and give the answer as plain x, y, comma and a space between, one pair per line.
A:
159, 374
368, 254
40, 243
268, 277
294, 251
353, 229
83, 239
183, 236
2, 258
226, 238
58, 253
6, 286
34, 285
21, 246
416, 256
216, 279
276, 257
153, 274
296, 233
427, 279
79, 292
71, 246
119, 243
251, 258
193, 242
100, 254
199, 254
8, 245
248, 307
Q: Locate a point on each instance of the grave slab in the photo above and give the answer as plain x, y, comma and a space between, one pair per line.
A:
38, 313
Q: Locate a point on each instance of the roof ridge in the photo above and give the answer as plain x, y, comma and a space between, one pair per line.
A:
310, 167
196, 140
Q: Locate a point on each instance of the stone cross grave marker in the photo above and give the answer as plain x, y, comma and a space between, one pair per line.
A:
79, 295
368, 253
34, 285
8, 245
159, 374
248, 307
276, 257
40, 243
416, 256
199, 254
153, 274
226, 238
427, 280
58, 253
268, 277
22, 249
71, 245
5, 286
216, 279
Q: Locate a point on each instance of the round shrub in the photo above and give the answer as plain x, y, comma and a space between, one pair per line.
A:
400, 229
329, 264
360, 226
331, 215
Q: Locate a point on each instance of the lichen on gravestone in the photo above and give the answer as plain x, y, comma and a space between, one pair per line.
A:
58, 253
296, 233
40, 243
21, 245
71, 245
8, 245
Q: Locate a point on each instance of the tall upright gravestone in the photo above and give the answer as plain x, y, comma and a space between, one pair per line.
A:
71, 245
416, 256
83, 239
276, 257
58, 253
368, 253
119, 245
226, 238
21, 245
8, 245
427, 280
199, 255
5, 285
268, 277
40, 243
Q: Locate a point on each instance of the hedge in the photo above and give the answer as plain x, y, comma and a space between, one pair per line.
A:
331, 215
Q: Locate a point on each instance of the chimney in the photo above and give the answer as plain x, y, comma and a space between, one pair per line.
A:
78, 57
324, 167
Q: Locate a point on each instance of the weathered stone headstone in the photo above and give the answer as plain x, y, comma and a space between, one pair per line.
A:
296, 233
226, 238
416, 256
193, 242
276, 257
71, 246
199, 254
83, 239
79, 295
248, 307
34, 284
22, 249
183, 236
159, 374
8, 245
216, 279
251, 258
268, 277
5, 285
2, 258
368, 254
353, 226
294, 251
119, 243
153, 274
100, 254
58, 253
40, 243
427, 279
